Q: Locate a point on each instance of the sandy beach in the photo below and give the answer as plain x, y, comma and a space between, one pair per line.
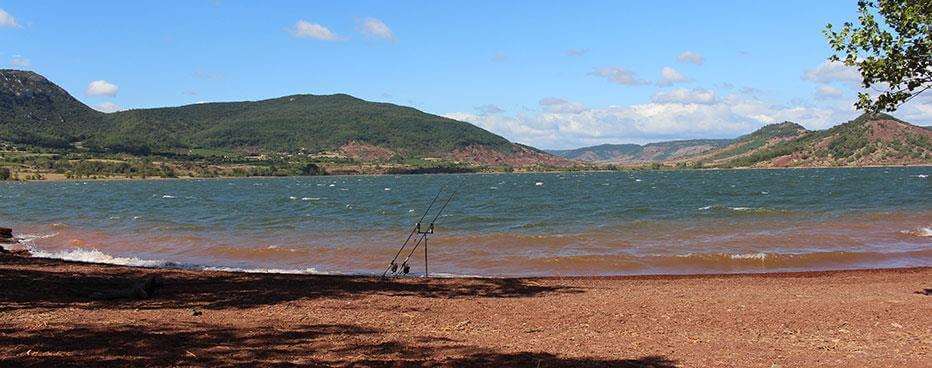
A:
57, 313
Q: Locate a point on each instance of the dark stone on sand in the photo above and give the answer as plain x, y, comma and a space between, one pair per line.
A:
6, 233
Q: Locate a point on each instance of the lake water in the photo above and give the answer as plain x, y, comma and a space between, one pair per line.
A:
596, 223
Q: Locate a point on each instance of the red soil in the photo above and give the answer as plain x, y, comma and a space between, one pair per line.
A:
53, 315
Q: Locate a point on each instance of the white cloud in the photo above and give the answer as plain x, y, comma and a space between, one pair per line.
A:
576, 52
18, 61
489, 109
691, 57
101, 88
826, 91
305, 29
7, 20
372, 27
107, 107
918, 110
619, 75
685, 96
670, 76
670, 117
833, 71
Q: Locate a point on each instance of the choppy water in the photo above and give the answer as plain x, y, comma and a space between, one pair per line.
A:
606, 223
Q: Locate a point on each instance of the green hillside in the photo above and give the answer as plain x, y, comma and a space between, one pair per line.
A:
768, 134
37, 112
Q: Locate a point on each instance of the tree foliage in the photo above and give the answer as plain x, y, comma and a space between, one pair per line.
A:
891, 46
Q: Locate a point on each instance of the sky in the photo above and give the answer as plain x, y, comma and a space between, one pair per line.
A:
550, 74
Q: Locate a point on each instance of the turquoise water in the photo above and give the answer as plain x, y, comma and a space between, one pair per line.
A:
596, 223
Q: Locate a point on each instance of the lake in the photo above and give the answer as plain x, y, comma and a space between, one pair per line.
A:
541, 224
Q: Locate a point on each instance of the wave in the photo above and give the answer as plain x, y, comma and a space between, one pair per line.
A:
921, 232
742, 210
97, 256
719, 262
306, 271
28, 238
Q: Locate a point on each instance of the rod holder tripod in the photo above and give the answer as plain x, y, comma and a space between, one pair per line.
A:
425, 234
422, 236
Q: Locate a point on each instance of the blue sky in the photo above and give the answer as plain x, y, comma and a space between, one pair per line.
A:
550, 74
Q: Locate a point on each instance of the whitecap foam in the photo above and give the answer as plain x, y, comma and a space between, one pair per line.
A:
168, 196
96, 256
306, 271
760, 256
28, 238
923, 176
925, 231
920, 232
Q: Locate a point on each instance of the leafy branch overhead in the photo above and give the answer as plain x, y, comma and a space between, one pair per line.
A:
891, 46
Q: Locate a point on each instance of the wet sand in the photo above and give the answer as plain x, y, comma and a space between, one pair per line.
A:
55, 313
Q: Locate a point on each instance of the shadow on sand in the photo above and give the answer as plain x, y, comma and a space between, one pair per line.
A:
44, 285
312, 345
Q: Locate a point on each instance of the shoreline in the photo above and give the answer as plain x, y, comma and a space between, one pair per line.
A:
172, 266
61, 178
70, 314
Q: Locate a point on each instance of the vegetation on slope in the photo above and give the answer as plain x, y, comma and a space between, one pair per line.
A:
634, 153
37, 112
871, 139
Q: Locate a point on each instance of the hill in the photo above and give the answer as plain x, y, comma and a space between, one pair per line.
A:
634, 153
749, 144
38, 112
869, 140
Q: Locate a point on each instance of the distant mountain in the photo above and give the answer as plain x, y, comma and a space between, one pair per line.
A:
35, 111
871, 139
634, 153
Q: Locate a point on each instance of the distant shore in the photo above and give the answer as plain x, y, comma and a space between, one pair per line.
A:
59, 313
54, 177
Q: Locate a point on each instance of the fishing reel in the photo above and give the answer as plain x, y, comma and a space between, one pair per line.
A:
405, 268
430, 229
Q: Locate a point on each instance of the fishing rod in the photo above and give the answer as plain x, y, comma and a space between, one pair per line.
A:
424, 234
391, 265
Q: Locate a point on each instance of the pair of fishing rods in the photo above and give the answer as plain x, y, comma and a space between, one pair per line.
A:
422, 235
